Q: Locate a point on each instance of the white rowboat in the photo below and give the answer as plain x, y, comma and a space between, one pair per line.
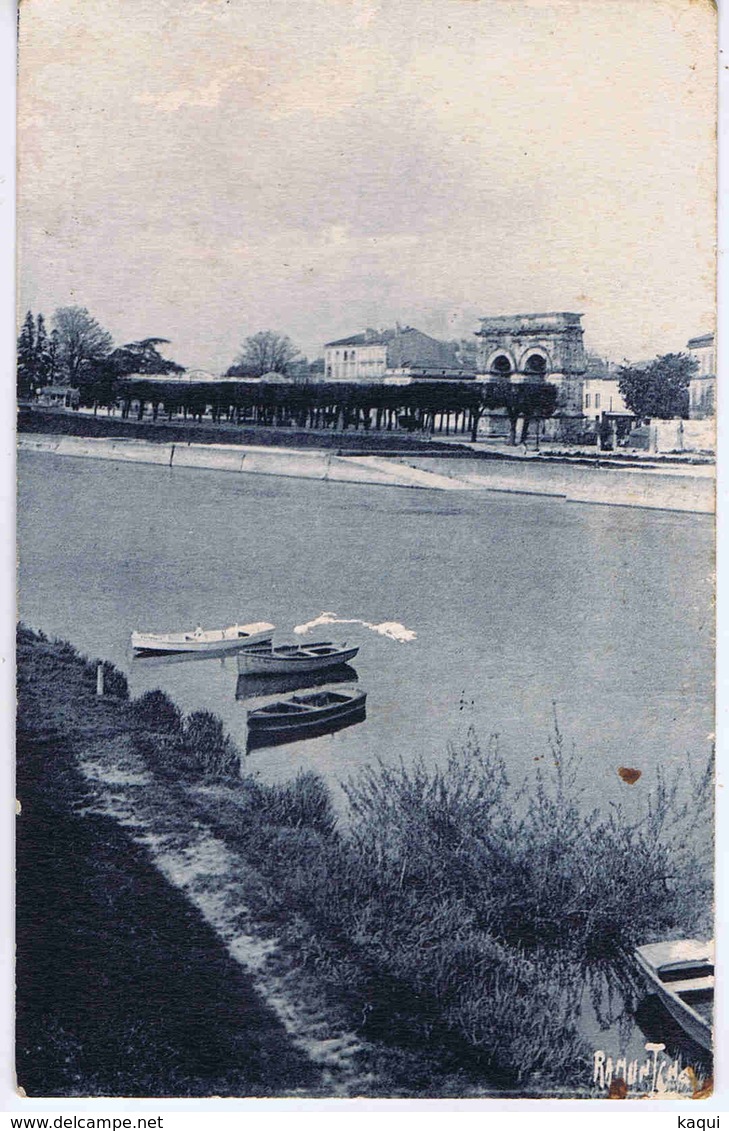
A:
681, 973
264, 658
199, 640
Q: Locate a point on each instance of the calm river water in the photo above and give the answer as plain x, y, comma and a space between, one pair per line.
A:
516, 602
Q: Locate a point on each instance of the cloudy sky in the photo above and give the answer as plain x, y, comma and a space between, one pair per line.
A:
203, 169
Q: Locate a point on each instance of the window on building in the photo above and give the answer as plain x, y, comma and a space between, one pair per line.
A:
597, 400
587, 400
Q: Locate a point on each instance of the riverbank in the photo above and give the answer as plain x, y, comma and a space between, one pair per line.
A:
389, 957
670, 487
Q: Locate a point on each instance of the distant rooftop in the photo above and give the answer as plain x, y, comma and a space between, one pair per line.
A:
372, 337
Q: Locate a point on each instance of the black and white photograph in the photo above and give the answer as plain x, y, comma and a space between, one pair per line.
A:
366, 444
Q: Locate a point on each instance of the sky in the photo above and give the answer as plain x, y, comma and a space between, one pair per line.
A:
201, 170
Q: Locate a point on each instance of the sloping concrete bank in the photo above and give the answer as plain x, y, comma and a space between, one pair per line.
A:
675, 489
248, 460
671, 488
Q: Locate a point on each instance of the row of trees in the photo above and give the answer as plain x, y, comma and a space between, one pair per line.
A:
432, 406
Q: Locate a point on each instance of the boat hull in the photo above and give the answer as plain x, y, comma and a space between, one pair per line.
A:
697, 1027
227, 640
259, 662
266, 738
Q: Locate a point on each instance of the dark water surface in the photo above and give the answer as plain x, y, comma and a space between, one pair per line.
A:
516, 602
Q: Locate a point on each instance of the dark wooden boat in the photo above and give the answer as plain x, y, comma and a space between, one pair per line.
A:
681, 973
300, 713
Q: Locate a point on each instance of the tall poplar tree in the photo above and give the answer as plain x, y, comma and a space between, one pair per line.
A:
26, 372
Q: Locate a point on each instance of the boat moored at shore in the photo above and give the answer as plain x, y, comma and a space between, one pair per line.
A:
301, 714
681, 974
200, 640
263, 657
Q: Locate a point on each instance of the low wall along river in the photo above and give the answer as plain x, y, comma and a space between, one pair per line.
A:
678, 488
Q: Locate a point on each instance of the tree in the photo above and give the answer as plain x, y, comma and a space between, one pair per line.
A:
26, 374
528, 400
43, 361
265, 352
81, 342
659, 389
144, 357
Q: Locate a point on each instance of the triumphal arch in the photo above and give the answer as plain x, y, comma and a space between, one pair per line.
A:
536, 347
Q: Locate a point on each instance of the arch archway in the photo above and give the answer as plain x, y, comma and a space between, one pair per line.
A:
501, 364
535, 364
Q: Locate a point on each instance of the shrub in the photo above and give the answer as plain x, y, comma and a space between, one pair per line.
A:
305, 801
115, 682
209, 751
155, 711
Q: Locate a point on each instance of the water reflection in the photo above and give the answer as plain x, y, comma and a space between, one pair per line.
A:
276, 683
156, 660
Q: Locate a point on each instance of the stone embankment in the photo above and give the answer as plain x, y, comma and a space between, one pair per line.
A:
675, 488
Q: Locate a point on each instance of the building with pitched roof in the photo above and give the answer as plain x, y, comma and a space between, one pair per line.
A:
376, 355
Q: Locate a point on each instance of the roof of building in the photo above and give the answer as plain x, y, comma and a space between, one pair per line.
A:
368, 338
702, 340
57, 390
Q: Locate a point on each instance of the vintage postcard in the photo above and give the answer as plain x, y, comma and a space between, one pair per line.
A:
366, 380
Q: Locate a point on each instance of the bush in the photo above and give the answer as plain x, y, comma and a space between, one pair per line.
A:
115, 682
486, 905
155, 711
305, 801
210, 752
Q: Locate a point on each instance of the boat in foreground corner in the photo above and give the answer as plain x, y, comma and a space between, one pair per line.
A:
681, 973
299, 713
263, 658
199, 640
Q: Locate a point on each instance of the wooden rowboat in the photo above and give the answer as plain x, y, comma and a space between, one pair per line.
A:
213, 640
301, 713
681, 973
264, 658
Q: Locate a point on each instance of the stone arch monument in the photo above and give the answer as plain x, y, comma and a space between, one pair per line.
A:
536, 347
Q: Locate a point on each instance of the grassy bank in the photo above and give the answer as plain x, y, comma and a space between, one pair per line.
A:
455, 922
122, 988
206, 432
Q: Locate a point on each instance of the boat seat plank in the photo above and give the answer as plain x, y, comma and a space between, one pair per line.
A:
692, 984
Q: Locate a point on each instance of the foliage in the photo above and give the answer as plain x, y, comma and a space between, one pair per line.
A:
530, 400
26, 361
209, 750
37, 355
156, 711
659, 389
265, 352
81, 342
305, 801
143, 357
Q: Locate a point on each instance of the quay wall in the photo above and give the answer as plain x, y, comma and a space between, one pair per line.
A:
676, 489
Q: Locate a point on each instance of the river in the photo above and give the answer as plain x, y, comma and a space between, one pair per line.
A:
516, 603
517, 606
